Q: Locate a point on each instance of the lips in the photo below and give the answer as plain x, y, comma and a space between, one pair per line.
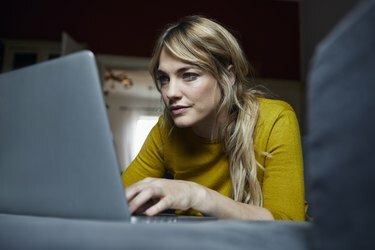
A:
178, 109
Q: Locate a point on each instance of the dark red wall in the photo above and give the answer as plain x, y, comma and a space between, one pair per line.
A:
267, 29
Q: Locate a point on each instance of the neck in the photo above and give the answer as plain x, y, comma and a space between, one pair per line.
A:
209, 130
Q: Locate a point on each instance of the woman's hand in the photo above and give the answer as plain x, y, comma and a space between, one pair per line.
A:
153, 195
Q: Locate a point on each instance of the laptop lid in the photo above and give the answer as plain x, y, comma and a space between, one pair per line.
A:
57, 155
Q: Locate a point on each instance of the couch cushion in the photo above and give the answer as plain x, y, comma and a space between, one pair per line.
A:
340, 170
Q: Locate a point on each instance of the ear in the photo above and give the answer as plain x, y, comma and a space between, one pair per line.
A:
232, 74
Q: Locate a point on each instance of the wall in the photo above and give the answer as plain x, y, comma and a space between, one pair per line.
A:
318, 17
267, 29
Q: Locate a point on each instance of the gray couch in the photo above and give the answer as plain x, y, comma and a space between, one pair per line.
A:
340, 166
340, 145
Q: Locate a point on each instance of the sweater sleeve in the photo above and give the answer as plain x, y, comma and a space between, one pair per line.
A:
149, 162
283, 184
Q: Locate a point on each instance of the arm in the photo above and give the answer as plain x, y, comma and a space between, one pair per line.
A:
283, 180
149, 161
176, 194
183, 195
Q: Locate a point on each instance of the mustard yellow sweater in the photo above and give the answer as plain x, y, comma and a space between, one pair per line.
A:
192, 158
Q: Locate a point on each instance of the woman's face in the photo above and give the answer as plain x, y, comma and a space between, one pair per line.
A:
190, 94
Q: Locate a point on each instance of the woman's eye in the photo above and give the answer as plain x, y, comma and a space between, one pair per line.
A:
190, 76
162, 79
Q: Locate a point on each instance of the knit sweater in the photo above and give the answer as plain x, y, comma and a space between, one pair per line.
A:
189, 157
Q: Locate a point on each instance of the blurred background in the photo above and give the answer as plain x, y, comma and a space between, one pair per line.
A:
278, 36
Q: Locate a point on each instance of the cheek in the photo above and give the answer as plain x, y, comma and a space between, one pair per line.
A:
216, 95
209, 100
164, 98
209, 93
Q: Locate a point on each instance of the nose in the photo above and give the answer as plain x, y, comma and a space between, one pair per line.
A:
173, 91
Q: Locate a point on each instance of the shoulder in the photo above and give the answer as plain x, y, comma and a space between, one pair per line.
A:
277, 126
271, 107
274, 113
271, 110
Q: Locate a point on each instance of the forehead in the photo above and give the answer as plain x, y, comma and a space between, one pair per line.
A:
170, 63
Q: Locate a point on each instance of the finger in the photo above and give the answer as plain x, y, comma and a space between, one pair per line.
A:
159, 207
142, 198
144, 207
135, 188
130, 192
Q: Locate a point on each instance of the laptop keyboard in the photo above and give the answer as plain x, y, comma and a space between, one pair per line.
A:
154, 219
169, 218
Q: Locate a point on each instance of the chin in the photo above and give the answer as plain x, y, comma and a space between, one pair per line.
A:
181, 125
180, 122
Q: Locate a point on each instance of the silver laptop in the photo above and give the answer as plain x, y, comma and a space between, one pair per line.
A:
57, 156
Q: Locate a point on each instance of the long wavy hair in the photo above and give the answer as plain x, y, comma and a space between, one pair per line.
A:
207, 44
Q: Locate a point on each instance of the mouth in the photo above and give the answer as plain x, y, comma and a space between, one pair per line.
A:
178, 110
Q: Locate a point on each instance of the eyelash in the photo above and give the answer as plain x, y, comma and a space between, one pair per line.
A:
187, 76
161, 79
194, 76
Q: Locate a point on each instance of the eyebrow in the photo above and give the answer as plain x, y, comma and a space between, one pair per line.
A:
180, 70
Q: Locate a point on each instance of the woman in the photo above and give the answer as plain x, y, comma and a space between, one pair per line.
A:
232, 153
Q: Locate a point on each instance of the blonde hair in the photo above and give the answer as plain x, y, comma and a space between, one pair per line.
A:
207, 44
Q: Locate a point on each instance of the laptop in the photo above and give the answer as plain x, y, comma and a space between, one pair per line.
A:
57, 153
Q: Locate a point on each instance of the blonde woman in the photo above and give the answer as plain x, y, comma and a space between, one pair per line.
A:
232, 153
